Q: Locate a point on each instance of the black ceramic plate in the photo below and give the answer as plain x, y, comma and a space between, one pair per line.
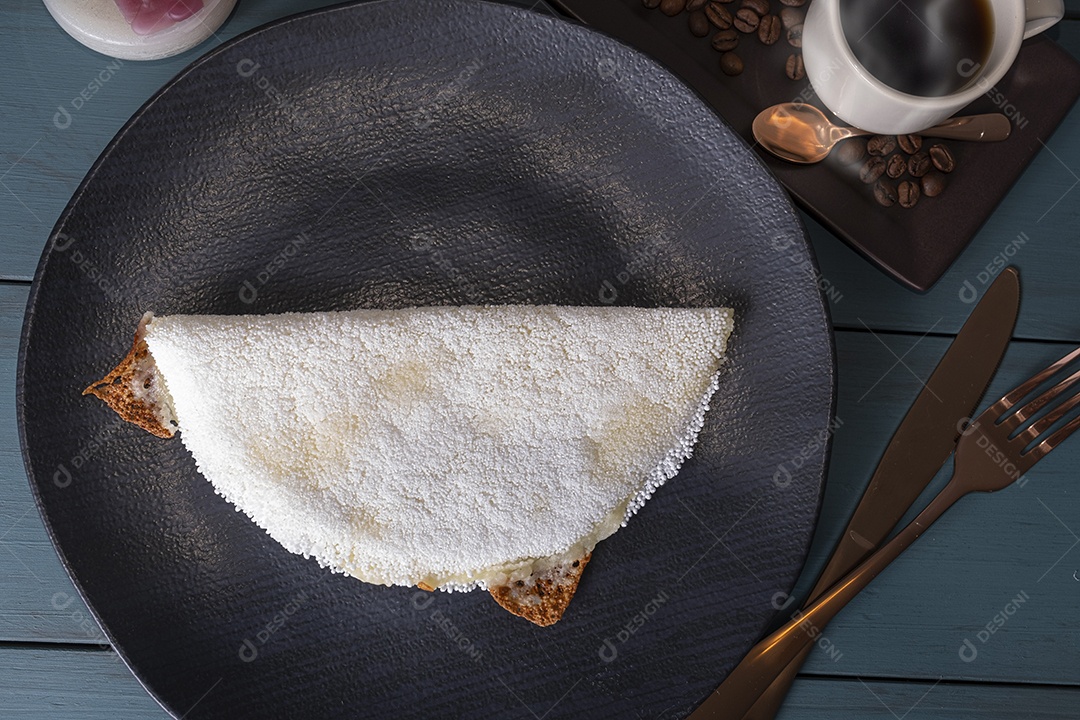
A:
914, 246
414, 153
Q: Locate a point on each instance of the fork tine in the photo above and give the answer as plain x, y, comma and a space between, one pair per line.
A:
1024, 389
1027, 411
1044, 423
1040, 451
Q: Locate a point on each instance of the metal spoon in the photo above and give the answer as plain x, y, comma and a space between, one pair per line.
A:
801, 133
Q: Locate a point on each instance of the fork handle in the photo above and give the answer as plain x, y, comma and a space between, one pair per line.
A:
751, 677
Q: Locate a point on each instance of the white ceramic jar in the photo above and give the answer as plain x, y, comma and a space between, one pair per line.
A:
101, 26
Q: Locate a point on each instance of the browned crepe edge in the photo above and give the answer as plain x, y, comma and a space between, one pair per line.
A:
116, 389
542, 598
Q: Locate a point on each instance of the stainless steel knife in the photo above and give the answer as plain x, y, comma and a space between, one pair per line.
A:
919, 447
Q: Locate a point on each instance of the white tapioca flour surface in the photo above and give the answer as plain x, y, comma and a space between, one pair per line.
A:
450, 446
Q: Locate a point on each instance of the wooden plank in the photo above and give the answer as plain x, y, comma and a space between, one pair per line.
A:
60, 683
42, 682
836, 699
1044, 206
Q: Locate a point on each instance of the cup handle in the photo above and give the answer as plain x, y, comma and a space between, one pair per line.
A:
1041, 14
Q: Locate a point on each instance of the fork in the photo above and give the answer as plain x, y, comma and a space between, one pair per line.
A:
993, 451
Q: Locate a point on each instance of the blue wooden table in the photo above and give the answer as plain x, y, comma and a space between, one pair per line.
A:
980, 619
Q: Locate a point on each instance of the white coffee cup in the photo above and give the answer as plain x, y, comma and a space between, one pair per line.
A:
860, 99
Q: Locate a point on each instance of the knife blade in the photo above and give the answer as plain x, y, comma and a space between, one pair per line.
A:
929, 431
920, 446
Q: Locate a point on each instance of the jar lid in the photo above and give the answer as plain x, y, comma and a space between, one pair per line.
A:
140, 29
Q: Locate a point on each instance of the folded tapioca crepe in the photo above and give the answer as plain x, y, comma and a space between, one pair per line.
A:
441, 447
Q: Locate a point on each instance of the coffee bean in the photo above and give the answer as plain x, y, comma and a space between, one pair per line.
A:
871, 170
746, 20
908, 193
918, 164
933, 183
695, 5
851, 151
731, 63
794, 3
896, 166
942, 158
910, 144
699, 24
725, 40
651, 3
794, 67
885, 193
671, 8
881, 145
718, 15
760, 7
768, 30
790, 17
794, 36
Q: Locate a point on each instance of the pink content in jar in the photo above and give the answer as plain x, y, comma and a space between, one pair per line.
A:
147, 17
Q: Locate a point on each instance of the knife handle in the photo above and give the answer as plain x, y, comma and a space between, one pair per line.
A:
768, 705
847, 557
744, 685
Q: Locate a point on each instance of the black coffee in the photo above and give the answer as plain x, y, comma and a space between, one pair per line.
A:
920, 47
